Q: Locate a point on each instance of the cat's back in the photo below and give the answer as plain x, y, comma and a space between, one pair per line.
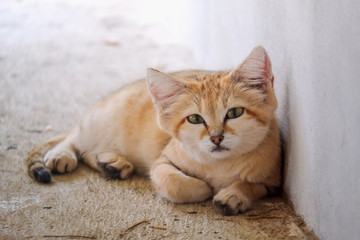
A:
124, 122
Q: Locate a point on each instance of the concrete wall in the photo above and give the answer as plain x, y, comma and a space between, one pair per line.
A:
315, 50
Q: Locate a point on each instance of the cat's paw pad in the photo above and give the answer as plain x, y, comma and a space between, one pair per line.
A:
116, 167
60, 161
227, 203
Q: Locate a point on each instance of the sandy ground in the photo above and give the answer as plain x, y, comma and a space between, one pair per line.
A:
57, 58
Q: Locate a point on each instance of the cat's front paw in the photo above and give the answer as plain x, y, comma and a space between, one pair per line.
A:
227, 202
177, 187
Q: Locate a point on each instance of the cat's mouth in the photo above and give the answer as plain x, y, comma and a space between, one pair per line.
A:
219, 149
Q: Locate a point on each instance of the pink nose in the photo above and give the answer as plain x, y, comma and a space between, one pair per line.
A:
217, 139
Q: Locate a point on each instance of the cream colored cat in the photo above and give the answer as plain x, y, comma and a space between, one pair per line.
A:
197, 133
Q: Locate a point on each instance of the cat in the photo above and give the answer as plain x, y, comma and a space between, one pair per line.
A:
197, 134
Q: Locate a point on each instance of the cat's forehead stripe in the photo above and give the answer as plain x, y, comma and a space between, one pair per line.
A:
212, 92
211, 96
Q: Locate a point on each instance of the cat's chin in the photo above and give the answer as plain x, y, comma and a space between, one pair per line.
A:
219, 149
206, 156
220, 154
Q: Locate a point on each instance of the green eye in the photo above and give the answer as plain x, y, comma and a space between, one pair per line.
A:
195, 119
234, 112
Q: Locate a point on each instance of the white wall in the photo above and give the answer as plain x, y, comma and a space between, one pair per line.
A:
315, 50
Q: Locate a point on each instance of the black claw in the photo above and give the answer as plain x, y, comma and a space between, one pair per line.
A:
224, 209
112, 172
42, 175
55, 167
109, 171
230, 211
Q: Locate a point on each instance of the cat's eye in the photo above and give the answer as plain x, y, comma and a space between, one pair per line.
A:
195, 119
234, 112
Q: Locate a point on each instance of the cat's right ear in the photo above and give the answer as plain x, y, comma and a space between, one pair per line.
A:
255, 71
164, 88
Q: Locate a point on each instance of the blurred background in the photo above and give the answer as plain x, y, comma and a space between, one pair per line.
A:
59, 57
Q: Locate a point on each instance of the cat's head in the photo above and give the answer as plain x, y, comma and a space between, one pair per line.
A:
217, 114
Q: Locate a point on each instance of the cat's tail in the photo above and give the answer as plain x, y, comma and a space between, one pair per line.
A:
35, 161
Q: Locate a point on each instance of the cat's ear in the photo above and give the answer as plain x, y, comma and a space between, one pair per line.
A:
164, 88
255, 71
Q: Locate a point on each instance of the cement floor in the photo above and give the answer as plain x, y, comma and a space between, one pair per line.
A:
58, 58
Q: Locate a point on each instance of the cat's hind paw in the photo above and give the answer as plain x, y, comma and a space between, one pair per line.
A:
114, 166
60, 161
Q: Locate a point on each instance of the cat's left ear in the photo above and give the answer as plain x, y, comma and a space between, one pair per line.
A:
255, 71
164, 88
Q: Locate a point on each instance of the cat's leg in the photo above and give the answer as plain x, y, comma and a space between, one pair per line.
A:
176, 186
112, 164
62, 158
238, 197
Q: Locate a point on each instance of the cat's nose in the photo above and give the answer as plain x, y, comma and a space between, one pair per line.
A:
217, 139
